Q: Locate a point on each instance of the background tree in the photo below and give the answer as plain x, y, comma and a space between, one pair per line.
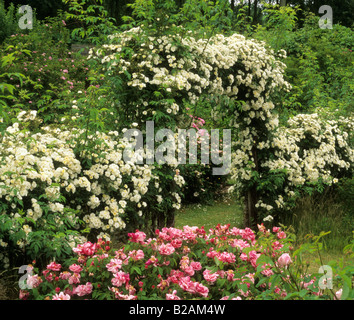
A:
44, 8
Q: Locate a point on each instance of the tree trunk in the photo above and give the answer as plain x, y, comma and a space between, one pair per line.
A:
251, 198
170, 220
255, 12
282, 3
250, 213
161, 221
153, 223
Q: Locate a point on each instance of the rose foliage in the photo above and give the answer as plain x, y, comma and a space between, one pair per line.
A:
188, 263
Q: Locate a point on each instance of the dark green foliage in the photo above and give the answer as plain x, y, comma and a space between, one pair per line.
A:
8, 21
319, 62
342, 9
48, 66
44, 8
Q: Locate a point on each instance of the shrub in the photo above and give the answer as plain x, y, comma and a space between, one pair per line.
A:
51, 70
185, 264
307, 156
50, 183
91, 20
8, 21
318, 62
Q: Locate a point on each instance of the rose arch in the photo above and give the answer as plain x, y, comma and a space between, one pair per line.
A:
163, 75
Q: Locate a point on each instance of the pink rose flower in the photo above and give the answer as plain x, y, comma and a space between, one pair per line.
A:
120, 296
166, 249
276, 245
75, 268
253, 256
83, 289
226, 257
61, 296
248, 234
212, 253
201, 289
136, 255
34, 281
284, 260
120, 278
196, 266
54, 266
239, 243
172, 296
114, 265
75, 278
48, 275
65, 275
153, 260
267, 271
281, 235
339, 294
210, 277
176, 243
189, 271
164, 236
228, 298
87, 249
243, 256
137, 237
230, 275
23, 295
186, 284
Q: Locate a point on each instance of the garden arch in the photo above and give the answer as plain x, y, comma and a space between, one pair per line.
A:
160, 76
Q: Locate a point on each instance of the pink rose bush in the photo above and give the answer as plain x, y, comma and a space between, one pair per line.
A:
179, 264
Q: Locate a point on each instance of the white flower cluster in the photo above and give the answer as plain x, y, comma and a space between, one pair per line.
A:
102, 194
237, 68
310, 149
233, 66
25, 116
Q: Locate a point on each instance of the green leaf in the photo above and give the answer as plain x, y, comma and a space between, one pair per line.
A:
291, 295
264, 259
303, 293
136, 269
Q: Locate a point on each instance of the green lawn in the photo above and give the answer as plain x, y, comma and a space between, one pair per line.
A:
224, 211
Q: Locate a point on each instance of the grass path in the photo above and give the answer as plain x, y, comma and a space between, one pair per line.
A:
227, 210
224, 211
